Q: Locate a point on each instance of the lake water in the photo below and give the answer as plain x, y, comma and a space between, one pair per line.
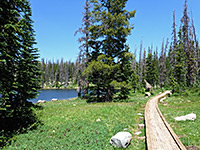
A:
58, 94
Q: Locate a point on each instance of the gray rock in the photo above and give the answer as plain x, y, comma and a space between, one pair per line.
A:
40, 101
121, 139
54, 99
138, 133
191, 117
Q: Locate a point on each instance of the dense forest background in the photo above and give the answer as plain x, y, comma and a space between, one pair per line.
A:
175, 65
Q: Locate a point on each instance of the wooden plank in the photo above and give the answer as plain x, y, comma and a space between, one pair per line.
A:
159, 135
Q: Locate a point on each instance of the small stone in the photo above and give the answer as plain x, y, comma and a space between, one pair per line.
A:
139, 114
180, 118
141, 126
41, 101
138, 133
191, 117
98, 120
54, 99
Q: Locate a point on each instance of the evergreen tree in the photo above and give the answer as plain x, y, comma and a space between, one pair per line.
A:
42, 67
140, 67
19, 72
180, 66
188, 47
144, 68
155, 70
134, 76
162, 64
100, 73
124, 73
56, 78
47, 73
61, 75
52, 73
182, 61
84, 48
66, 74
149, 76
108, 36
197, 51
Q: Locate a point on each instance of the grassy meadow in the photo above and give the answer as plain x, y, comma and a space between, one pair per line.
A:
187, 131
76, 125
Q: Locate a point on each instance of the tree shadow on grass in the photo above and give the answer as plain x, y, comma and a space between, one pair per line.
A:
16, 120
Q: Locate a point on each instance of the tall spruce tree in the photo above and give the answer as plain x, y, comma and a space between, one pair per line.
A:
84, 49
180, 68
140, 67
151, 69
109, 30
188, 43
19, 73
183, 57
162, 64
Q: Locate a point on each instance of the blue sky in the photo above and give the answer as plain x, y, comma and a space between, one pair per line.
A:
55, 22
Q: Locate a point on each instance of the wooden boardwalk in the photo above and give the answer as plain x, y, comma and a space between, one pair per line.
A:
159, 135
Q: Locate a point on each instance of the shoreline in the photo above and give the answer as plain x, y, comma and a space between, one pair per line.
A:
75, 88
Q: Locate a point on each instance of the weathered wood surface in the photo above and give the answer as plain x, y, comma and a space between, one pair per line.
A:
159, 134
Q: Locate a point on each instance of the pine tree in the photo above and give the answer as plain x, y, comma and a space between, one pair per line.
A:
56, 79
47, 73
134, 76
66, 74
149, 76
19, 72
180, 68
156, 70
84, 48
162, 64
140, 67
52, 74
144, 67
182, 61
108, 36
79, 74
197, 50
61, 75
42, 66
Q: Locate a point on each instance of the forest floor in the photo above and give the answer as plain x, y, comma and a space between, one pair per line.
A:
76, 124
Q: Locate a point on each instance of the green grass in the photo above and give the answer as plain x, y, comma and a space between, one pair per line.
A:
188, 131
73, 125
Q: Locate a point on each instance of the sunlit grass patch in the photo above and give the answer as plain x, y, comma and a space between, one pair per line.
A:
188, 131
75, 124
